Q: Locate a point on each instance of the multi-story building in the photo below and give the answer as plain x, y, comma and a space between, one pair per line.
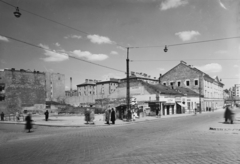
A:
184, 75
105, 88
87, 91
236, 90
21, 88
55, 86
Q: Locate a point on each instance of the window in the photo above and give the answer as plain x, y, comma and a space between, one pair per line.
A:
164, 83
178, 83
90, 92
2, 98
187, 83
171, 83
196, 82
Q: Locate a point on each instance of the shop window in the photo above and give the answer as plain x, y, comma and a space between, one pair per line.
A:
196, 82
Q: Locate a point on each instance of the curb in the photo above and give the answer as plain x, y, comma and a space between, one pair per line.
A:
94, 125
224, 129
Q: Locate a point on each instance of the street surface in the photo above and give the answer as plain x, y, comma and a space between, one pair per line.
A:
178, 140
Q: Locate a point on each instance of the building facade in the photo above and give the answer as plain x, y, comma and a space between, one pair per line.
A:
55, 86
183, 75
21, 88
236, 91
105, 88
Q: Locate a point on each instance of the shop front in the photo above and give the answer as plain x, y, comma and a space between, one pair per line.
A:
169, 107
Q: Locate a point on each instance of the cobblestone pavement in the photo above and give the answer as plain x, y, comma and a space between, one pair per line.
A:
179, 140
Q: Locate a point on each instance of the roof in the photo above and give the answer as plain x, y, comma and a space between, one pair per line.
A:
159, 88
187, 91
84, 84
140, 77
195, 69
110, 81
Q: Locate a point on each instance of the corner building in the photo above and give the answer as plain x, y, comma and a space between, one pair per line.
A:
210, 89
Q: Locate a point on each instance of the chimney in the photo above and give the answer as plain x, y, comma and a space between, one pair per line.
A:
71, 84
159, 79
86, 80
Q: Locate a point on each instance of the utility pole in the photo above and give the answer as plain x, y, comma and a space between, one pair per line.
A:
200, 106
128, 86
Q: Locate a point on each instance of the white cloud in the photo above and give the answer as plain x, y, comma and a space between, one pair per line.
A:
114, 53
121, 48
167, 4
99, 39
187, 35
89, 56
52, 55
210, 68
2, 38
73, 36
222, 5
57, 44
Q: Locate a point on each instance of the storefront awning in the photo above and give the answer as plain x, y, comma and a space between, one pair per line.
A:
182, 105
168, 103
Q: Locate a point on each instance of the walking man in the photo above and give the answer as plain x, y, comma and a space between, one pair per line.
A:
113, 116
2, 116
46, 115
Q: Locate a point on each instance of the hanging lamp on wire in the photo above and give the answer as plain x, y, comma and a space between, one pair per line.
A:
17, 13
165, 49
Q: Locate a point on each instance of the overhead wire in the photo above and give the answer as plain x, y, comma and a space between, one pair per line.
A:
63, 53
51, 20
177, 60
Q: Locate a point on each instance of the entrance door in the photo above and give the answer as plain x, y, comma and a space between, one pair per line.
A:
179, 109
168, 109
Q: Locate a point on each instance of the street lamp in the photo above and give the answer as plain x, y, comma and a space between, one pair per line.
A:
128, 84
17, 13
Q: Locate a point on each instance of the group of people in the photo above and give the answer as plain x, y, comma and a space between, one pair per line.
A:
110, 115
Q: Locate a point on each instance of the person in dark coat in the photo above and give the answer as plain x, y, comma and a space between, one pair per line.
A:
2, 116
129, 115
113, 117
46, 115
228, 115
28, 120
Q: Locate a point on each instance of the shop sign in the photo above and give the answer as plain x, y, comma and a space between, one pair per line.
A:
170, 100
178, 99
188, 99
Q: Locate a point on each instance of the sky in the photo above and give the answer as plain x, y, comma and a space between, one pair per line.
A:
99, 29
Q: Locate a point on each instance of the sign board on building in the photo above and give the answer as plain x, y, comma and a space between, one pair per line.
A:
178, 99
170, 100
136, 90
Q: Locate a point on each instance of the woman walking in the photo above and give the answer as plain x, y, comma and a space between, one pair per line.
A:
28, 120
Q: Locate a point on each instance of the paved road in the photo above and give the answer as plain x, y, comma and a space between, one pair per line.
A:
182, 140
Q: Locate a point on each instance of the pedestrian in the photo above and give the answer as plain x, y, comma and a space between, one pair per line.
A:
92, 116
87, 115
113, 116
107, 116
228, 115
17, 116
157, 110
28, 120
2, 116
195, 111
46, 115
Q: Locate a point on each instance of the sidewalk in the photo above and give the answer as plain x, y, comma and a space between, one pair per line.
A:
78, 121
222, 126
